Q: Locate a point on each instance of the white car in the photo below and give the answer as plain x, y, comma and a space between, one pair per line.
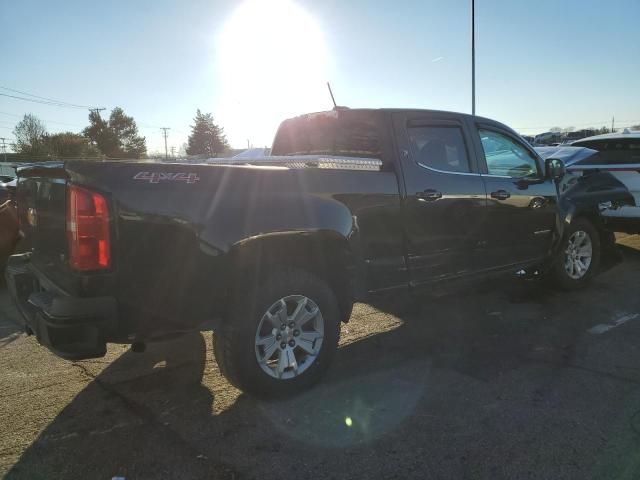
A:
619, 154
616, 153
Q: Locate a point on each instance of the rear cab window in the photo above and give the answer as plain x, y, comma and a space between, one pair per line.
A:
349, 133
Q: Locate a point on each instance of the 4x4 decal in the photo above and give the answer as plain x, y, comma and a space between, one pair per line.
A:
157, 177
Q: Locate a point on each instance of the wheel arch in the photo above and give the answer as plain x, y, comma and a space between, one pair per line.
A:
324, 253
609, 254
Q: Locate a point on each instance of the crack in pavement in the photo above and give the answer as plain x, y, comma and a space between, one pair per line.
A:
147, 416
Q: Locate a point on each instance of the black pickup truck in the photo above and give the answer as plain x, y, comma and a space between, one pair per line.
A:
272, 253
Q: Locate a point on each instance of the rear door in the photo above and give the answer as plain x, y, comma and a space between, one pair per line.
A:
521, 202
444, 195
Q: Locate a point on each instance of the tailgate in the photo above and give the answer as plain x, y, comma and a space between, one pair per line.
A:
41, 199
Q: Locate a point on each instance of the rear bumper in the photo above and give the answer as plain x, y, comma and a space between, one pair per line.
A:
71, 327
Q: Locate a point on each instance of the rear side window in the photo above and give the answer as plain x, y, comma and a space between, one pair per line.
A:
342, 133
440, 148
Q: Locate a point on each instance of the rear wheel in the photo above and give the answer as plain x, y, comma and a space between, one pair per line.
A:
579, 256
280, 334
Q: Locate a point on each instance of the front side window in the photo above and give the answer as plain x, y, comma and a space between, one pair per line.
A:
506, 157
440, 148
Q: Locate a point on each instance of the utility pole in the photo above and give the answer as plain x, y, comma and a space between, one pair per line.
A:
473, 57
96, 110
4, 148
613, 121
173, 152
164, 133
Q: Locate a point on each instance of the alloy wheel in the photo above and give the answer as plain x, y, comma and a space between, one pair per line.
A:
289, 337
578, 255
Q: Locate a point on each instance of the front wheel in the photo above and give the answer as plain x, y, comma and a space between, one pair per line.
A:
579, 256
280, 334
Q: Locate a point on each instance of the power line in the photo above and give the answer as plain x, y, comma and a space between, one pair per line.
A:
24, 96
42, 119
42, 102
44, 98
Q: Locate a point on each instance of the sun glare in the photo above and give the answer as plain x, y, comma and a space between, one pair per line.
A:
273, 62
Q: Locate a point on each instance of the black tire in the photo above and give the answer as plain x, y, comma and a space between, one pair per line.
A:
234, 342
560, 275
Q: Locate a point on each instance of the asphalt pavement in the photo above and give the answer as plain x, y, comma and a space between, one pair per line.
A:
508, 380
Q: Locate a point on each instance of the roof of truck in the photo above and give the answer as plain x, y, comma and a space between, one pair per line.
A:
358, 131
391, 110
339, 109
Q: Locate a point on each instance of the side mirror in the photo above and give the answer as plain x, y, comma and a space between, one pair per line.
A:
555, 169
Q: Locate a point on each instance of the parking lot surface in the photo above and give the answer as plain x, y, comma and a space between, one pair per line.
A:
510, 380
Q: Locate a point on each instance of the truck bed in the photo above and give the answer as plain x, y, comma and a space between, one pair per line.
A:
173, 224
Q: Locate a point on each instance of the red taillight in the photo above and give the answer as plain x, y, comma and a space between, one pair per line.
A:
87, 230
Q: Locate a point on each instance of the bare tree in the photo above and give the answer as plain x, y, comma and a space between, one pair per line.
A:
30, 135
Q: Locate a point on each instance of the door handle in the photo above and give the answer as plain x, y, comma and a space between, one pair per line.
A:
500, 195
429, 195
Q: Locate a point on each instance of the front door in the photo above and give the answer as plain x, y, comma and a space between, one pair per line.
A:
444, 196
521, 202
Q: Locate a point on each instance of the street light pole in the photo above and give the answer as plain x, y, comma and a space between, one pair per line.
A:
473, 57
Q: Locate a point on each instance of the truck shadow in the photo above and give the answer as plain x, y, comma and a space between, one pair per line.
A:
169, 414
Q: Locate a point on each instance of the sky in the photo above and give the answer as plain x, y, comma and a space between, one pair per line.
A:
253, 63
